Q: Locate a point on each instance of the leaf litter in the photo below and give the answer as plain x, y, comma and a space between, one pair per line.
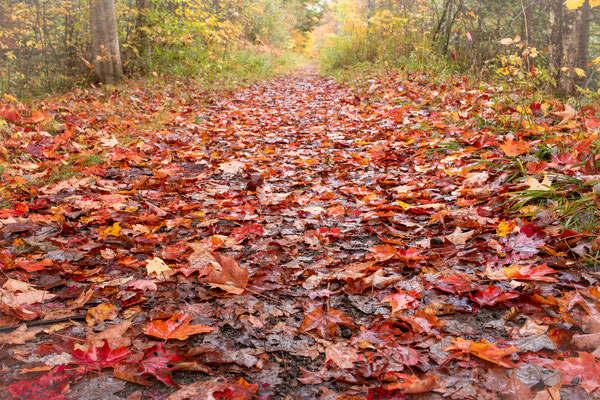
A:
292, 240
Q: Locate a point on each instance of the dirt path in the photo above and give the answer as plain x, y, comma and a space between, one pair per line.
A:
336, 248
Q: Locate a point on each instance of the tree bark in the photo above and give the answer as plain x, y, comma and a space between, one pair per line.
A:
583, 48
572, 20
105, 41
555, 40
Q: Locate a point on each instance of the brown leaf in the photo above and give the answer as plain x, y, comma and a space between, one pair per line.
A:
228, 276
567, 115
21, 335
114, 335
342, 355
214, 388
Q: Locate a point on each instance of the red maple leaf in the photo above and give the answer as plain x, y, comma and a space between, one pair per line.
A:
583, 370
100, 357
493, 295
160, 363
51, 385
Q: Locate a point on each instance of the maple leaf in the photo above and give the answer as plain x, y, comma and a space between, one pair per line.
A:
20, 335
114, 230
545, 185
412, 384
484, 350
160, 363
158, 267
17, 299
512, 148
402, 301
567, 115
341, 355
100, 313
177, 327
504, 228
493, 295
459, 237
325, 322
100, 357
216, 389
583, 370
228, 276
529, 273
51, 385
201, 260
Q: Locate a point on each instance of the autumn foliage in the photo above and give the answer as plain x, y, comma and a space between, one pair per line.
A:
413, 236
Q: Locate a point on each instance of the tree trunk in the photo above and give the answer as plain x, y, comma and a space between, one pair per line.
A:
570, 51
105, 41
555, 45
583, 48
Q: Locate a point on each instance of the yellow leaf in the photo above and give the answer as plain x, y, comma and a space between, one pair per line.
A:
113, 230
100, 313
574, 4
504, 229
157, 267
9, 98
579, 72
404, 205
594, 3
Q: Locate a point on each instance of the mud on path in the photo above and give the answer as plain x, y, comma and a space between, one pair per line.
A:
339, 248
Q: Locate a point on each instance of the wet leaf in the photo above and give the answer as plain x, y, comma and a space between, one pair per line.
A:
177, 327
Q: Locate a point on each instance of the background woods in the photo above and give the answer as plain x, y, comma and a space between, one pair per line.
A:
549, 44
52, 44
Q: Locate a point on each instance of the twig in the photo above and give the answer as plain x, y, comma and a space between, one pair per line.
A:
43, 322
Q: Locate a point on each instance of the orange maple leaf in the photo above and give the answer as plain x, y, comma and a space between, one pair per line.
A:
176, 327
512, 148
324, 322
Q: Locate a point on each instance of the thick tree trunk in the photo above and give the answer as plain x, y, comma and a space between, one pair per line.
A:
570, 51
105, 41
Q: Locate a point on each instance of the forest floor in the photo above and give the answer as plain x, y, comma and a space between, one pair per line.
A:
298, 239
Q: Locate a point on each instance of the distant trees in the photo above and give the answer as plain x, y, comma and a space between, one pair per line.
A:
544, 43
47, 45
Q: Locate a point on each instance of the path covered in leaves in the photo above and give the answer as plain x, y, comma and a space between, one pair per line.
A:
287, 241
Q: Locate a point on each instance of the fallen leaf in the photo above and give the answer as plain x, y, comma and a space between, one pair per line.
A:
402, 301
325, 322
100, 357
513, 148
158, 267
341, 355
100, 313
228, 276
215, 389
20, 335
177, 327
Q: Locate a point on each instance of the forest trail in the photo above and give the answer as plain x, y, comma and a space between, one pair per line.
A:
320, 246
